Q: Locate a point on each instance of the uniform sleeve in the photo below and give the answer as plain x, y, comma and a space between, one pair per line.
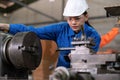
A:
108, 37
92, 33
97, 40
48, 32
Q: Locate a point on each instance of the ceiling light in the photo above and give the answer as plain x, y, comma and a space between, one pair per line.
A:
5, 14
5, 4
51, 0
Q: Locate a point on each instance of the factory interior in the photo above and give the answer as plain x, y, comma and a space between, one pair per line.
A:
39, 13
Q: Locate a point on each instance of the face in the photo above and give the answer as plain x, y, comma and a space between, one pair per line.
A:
76, 22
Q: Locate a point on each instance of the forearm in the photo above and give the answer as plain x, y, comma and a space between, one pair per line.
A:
15, 28
106, 38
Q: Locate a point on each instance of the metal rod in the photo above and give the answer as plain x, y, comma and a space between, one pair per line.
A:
62, 49
48, 22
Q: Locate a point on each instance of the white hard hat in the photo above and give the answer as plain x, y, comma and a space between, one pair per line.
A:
75, 7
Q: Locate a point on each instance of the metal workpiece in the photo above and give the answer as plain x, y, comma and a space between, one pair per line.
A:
92, 59
95, 63
19, 55
76, 43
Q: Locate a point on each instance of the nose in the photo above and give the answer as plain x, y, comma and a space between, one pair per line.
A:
73, 22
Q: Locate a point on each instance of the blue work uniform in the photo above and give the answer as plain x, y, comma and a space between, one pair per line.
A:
61, 33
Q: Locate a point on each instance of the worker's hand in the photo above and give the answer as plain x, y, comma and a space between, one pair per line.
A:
68, 57
92, 43
90, 46
4, 27
117, 24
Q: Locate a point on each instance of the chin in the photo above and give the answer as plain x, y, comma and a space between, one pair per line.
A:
76, 30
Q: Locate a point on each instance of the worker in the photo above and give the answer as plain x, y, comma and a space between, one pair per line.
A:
108, 37
63, 32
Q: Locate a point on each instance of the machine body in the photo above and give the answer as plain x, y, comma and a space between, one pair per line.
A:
86, 65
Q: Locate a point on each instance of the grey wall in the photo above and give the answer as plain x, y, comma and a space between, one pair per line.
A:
54, 9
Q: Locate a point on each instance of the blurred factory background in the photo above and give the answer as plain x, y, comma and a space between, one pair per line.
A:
43, 12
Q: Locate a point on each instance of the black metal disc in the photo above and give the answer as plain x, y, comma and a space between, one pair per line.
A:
24, 50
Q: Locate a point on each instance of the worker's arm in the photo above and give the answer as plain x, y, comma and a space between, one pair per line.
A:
106, 38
